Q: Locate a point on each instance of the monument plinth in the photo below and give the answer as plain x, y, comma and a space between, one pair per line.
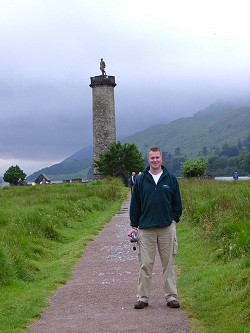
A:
102, 80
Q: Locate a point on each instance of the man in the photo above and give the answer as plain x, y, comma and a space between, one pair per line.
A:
132, 180
154, 210
235, 176
102, 66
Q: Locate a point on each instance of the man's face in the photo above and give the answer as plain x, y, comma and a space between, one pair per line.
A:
154, 160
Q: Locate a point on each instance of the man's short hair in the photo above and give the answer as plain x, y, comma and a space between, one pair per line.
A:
154, 148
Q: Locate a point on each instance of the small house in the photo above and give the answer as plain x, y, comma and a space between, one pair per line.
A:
42, 179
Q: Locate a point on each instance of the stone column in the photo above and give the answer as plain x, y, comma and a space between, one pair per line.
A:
104, 130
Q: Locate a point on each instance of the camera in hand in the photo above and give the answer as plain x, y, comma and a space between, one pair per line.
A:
133, 237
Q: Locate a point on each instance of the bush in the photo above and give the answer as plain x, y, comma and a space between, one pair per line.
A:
194, 168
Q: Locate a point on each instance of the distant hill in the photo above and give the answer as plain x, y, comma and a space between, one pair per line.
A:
211, 127
84, 153
74, 166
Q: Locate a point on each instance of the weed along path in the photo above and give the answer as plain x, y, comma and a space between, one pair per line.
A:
101, 293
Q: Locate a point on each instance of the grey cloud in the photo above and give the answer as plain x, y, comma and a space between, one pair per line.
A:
163, 72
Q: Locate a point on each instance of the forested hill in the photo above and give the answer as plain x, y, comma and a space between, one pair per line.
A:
208, 130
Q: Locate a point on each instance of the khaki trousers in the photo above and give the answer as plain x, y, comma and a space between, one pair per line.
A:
163, 238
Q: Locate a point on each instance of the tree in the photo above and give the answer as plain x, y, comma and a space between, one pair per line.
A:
174, 163
247, 143
177, 151
229, 151
245, 162
120, 160
216, 164
239, 145
194, 168
204, 150
13, 174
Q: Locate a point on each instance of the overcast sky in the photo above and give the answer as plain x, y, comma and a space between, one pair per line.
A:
170, 59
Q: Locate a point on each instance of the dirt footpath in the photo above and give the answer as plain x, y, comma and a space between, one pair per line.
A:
101, 294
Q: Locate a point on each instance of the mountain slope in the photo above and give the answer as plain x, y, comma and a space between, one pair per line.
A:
211, 127
84, 153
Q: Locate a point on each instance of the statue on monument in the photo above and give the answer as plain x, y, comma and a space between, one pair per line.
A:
102, 66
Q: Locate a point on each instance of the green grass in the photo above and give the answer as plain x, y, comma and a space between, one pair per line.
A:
213, 260
43, 232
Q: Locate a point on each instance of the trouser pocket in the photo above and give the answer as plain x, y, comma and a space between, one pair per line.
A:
175, 246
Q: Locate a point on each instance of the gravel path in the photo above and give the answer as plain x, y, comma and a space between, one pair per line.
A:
101, 293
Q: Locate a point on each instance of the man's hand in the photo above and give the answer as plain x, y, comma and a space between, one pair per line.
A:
133, 230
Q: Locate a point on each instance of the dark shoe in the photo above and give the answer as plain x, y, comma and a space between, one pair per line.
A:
140, 305
173, 304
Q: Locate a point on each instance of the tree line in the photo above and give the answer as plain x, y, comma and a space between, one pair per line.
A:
121, 159
221, 161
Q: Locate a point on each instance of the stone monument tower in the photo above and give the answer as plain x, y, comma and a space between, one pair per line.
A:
103, 102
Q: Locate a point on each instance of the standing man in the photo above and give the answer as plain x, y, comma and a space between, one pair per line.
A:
235, 176
132, 181
155, 209
102, 66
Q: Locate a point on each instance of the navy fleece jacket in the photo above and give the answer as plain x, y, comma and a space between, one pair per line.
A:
155, 205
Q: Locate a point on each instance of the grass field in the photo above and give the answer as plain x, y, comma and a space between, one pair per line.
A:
44, 230
214, 256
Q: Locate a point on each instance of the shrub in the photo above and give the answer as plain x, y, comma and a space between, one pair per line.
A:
194, 168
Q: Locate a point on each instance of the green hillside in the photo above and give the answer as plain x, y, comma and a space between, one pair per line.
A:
211, 128
65, 170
